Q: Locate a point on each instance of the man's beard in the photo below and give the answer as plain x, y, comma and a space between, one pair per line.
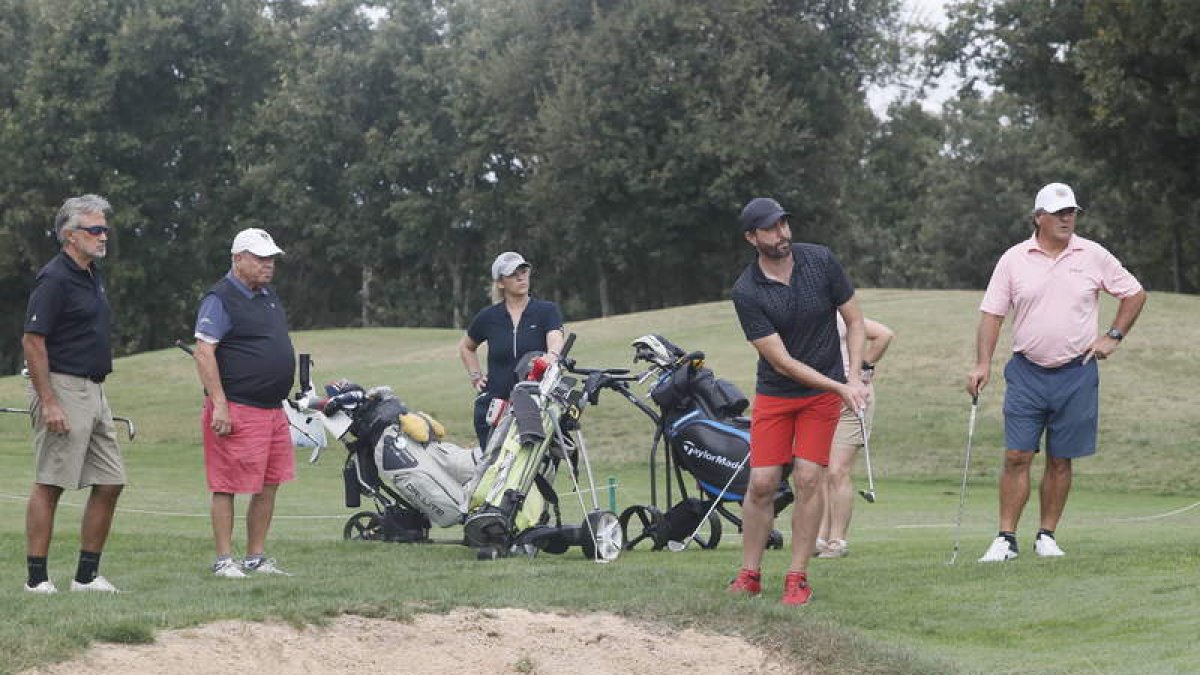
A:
777, 251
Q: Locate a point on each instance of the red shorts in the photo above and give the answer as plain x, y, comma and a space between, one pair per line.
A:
783, 428
258, 452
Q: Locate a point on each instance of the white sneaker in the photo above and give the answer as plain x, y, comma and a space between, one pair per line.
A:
228, 569
1047, 547
264, 566
97, 585
835, 548
45, 588
999, 551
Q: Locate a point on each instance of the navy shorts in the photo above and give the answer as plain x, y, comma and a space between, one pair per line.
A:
1061, 402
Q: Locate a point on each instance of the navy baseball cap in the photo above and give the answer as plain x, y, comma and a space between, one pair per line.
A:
761, 212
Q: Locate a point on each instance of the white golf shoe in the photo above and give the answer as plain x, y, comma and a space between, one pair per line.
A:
228, 569
264, 566
97, 585
999, 551
45, 588
1047, 547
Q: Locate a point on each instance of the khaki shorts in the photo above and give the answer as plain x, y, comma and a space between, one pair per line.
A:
88, 454
848, 430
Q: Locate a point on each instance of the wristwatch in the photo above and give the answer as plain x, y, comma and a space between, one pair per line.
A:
1114, 333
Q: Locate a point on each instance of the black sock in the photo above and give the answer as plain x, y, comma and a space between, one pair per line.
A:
37, 570
1011, 537
1048, 533
89, 567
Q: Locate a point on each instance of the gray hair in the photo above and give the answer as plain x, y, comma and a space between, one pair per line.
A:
68, 214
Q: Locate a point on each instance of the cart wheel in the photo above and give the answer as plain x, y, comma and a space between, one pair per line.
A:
649, 518
363, 526
775, 540
710, 534
602, 537
489, 553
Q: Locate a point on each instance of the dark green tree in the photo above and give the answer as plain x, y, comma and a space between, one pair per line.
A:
1124, 79
135, 102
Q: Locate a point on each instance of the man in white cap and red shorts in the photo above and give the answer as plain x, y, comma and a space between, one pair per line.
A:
246, 363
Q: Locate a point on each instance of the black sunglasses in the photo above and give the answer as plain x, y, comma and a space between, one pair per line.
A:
96, 230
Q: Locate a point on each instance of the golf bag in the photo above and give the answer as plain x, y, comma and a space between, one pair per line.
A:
429, 473
536, 433
401, 460
701, 419
699, 416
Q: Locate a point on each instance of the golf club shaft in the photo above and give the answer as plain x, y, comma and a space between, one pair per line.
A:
962, 490
130, 427
716, 501
862, 425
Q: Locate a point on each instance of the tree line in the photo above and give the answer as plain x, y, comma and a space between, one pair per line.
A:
394, 147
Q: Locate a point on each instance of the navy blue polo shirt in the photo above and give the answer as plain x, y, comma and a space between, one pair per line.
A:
508, 343
255, 355
803, 313
69, 307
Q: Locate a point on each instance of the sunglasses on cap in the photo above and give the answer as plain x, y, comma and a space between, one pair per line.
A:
96, 230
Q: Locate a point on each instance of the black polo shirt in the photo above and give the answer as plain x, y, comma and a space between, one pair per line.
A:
69, 307
508, 343
802, 312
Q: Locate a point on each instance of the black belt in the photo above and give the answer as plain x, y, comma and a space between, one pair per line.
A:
98, 379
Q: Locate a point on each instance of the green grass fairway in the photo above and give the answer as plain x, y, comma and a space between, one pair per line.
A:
1123, 600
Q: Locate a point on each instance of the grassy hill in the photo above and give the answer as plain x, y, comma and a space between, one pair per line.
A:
891, 607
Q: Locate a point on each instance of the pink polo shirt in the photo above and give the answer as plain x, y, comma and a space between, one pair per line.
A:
1055, 301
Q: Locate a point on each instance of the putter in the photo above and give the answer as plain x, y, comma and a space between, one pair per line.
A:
962, 491
677, 546
869, 493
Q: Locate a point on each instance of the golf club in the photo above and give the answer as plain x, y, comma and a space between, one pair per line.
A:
677, 546
130, 427
869, 493
962, 491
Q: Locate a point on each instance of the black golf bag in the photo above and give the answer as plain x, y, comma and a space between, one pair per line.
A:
699, 417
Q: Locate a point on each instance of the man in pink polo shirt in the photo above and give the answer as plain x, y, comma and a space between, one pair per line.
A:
1051, 283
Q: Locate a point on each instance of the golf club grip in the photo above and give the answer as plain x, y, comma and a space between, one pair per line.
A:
567, 346
305, 372
184, 347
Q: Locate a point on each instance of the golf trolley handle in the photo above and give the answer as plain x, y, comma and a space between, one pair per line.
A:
305, 375
615, 373
567, 348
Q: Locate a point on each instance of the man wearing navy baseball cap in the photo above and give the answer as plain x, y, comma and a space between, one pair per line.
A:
787, 301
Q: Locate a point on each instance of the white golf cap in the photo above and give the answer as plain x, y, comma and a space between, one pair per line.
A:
255, 241
506, 263
1055, 197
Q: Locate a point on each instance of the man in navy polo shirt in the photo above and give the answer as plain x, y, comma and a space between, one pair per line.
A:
68, 354
787, 301
246, 363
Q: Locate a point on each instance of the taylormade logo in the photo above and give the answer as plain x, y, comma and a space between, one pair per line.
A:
692, 450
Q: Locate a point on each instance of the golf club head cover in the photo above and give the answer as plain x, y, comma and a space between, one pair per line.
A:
339, 386
348, 400
537, 368
527, 414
